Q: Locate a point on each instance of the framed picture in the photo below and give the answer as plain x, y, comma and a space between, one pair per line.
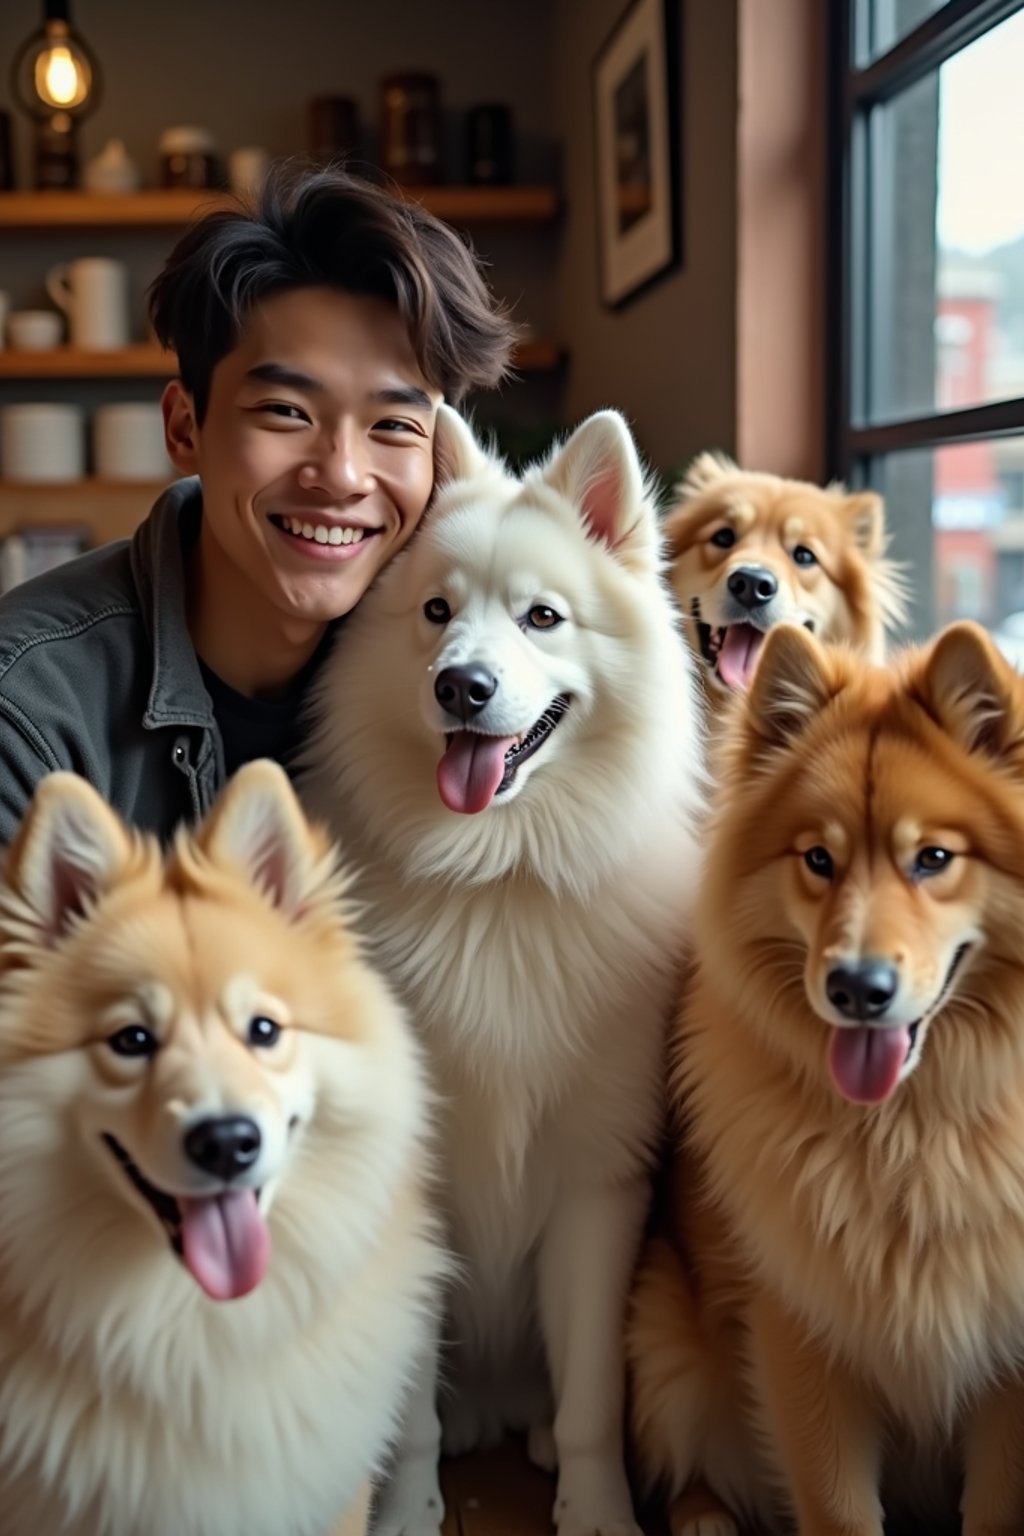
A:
636, 112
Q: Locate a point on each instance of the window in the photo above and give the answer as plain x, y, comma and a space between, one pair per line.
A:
927, 313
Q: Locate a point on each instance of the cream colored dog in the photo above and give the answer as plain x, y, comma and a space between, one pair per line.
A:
216, 1264
510, 747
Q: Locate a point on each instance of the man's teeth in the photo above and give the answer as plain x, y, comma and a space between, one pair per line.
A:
319, 533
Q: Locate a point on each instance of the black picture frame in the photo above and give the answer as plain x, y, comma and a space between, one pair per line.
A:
637, 153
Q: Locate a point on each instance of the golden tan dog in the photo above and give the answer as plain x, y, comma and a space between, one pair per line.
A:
843, 1275
749, 551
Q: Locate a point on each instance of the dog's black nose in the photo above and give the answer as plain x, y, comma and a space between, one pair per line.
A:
224, 1147
752, 585
864, 990
463, 691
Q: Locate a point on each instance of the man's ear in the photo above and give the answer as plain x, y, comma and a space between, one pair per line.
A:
181, 435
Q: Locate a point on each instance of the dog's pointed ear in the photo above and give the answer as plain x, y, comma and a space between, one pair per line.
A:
704, 472
971, 690
864, 515
598, 470
67, 853
457, 454
258, 828
791, 686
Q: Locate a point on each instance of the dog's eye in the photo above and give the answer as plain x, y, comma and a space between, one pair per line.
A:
133, 1040
819, 862
804, 556
437, 610
724, 538
542, 617
930, 860
263, 1031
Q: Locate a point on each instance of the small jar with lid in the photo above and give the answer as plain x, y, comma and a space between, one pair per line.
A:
410, 128
188, 158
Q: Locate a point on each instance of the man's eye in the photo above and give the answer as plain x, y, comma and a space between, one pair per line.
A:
393, 424
286, 412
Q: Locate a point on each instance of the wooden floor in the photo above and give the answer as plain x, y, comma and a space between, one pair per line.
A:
498, 1493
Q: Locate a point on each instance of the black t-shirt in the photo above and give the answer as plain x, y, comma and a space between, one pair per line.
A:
252, 728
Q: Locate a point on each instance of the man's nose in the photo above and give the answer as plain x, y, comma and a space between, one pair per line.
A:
341, 466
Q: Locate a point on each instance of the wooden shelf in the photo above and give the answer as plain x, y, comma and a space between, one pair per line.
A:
109, 509
143, 361
151, 362
538, 357
92, 485
30, 212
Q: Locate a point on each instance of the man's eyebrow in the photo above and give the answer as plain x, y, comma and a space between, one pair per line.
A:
279, 373
403, 395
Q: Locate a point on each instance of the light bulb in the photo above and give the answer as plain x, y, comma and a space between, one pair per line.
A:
61, 79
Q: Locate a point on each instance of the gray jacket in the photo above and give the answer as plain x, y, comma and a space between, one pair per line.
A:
98, 675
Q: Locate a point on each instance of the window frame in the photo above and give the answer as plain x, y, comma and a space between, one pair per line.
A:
853, 442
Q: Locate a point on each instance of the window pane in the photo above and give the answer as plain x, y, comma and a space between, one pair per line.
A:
882, 23
957, 516
940, 310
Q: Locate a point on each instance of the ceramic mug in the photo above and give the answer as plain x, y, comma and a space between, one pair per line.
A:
42, 442
128, 442
93, 293
34, 330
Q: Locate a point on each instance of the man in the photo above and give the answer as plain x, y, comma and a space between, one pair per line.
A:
315, 339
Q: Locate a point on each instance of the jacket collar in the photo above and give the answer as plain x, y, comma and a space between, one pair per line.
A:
177, 695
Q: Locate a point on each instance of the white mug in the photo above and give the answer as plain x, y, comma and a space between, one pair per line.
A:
42, 442
93, 292
34, 330
128, 442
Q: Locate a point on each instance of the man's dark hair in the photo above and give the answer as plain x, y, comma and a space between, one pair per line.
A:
329, 229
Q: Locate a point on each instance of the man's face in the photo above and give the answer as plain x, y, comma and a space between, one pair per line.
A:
316, 451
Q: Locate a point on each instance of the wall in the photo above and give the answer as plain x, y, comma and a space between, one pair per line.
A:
668, 357
780, 412
678, 359
246, 69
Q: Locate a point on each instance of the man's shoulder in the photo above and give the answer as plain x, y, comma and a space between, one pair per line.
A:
64, 605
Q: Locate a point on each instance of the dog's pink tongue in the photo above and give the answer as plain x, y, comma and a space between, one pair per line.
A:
866, 1062
472, 768
738, 656
226, 1243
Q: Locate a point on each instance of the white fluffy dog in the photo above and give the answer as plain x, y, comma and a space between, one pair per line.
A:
509, 745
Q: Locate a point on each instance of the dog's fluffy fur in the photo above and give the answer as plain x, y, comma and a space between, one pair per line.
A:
749, 551
534, 940
130, 1402
843, 1275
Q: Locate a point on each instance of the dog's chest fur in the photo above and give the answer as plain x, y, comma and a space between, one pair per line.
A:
544, 1018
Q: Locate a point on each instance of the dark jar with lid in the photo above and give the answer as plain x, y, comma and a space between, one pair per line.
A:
188, 159
410, 128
